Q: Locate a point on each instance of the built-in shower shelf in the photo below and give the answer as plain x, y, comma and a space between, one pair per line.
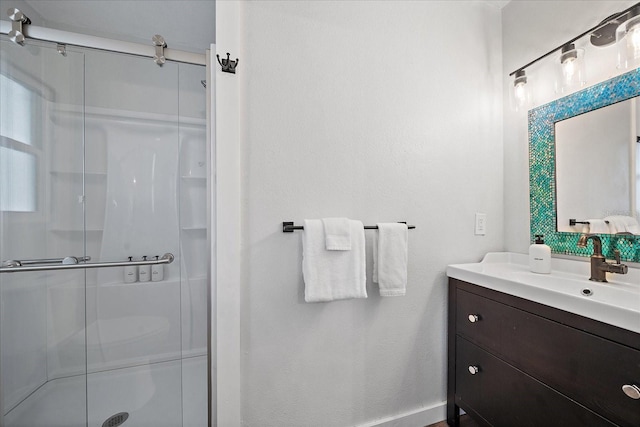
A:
203, 228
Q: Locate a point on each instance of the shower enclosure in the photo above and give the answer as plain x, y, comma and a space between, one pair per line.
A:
102, 160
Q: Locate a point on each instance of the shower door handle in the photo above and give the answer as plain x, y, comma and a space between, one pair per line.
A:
44, 261
15, 268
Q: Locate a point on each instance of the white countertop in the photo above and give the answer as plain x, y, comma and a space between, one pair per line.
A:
616, 302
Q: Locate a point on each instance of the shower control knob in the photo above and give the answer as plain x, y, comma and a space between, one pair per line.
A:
473, 318
633, 391
473, 369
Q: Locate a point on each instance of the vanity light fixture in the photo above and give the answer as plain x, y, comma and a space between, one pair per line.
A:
520, 93
628, 40
625, 25
572, 67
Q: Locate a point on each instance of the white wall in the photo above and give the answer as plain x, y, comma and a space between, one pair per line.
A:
380, 111
529, 30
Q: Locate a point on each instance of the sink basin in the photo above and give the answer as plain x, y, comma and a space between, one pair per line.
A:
567, 287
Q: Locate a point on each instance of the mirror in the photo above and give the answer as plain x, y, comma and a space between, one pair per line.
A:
574, 174
597, 170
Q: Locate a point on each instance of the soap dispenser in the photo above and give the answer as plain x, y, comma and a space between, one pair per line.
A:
145, 271
157, 271
540, 256
130, 273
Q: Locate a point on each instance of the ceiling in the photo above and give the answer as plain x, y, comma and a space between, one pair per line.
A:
185, 24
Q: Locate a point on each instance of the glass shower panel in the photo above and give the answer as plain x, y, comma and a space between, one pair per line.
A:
134, 330
42, 314
193, 243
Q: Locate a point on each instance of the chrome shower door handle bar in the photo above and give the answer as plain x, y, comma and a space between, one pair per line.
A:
65, 260
165, 259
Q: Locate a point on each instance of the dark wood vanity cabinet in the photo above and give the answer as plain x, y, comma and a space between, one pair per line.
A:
514, 362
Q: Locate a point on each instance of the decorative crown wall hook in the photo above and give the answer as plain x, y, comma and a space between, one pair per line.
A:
228, 66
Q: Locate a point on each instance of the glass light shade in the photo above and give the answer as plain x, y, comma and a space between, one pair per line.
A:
572, 70
628, 42
521, 96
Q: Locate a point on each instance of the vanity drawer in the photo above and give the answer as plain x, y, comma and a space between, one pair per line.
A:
482, 320
590, 369
505, 396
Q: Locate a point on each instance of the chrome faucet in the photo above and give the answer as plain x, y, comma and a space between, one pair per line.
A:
599, 265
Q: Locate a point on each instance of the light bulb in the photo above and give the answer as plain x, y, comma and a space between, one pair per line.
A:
569, 70
572, 68
520, 93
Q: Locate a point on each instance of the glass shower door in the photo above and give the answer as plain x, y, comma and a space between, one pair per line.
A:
132, 167
42, 221
102, 156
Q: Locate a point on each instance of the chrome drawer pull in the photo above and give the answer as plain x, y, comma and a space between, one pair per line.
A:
473, 318
633, 391
473, 369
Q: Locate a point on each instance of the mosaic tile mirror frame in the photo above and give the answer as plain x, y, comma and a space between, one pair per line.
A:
542, 166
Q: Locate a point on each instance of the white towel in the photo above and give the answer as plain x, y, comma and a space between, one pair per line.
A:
332, 275
390, 255
623, 224
598, 226
337, 234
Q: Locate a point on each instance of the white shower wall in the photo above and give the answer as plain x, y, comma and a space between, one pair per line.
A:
143, 346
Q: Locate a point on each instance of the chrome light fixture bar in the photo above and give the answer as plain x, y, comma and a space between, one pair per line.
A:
600, 32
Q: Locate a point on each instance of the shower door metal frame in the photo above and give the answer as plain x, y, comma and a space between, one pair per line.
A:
83, 40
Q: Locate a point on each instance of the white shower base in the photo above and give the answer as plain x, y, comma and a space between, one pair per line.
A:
151, 394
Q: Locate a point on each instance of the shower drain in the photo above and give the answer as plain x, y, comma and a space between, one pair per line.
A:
116, 420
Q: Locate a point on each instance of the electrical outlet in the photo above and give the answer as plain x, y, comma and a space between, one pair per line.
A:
481, 224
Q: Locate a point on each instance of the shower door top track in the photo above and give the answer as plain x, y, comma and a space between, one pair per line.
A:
83, 40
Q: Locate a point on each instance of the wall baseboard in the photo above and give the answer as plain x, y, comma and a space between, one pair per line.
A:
417, 418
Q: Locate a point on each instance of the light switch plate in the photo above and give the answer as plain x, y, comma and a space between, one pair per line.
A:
481, 224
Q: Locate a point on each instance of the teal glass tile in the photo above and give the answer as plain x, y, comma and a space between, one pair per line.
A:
542, 167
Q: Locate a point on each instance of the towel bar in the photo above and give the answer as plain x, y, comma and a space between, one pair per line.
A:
288, 227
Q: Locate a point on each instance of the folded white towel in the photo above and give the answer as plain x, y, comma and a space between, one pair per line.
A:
598, 226
623, 224
390, 255
332, 275
337, 234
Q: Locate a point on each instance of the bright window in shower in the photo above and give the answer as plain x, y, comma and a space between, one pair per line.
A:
17, 180
16, 110
18, 167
